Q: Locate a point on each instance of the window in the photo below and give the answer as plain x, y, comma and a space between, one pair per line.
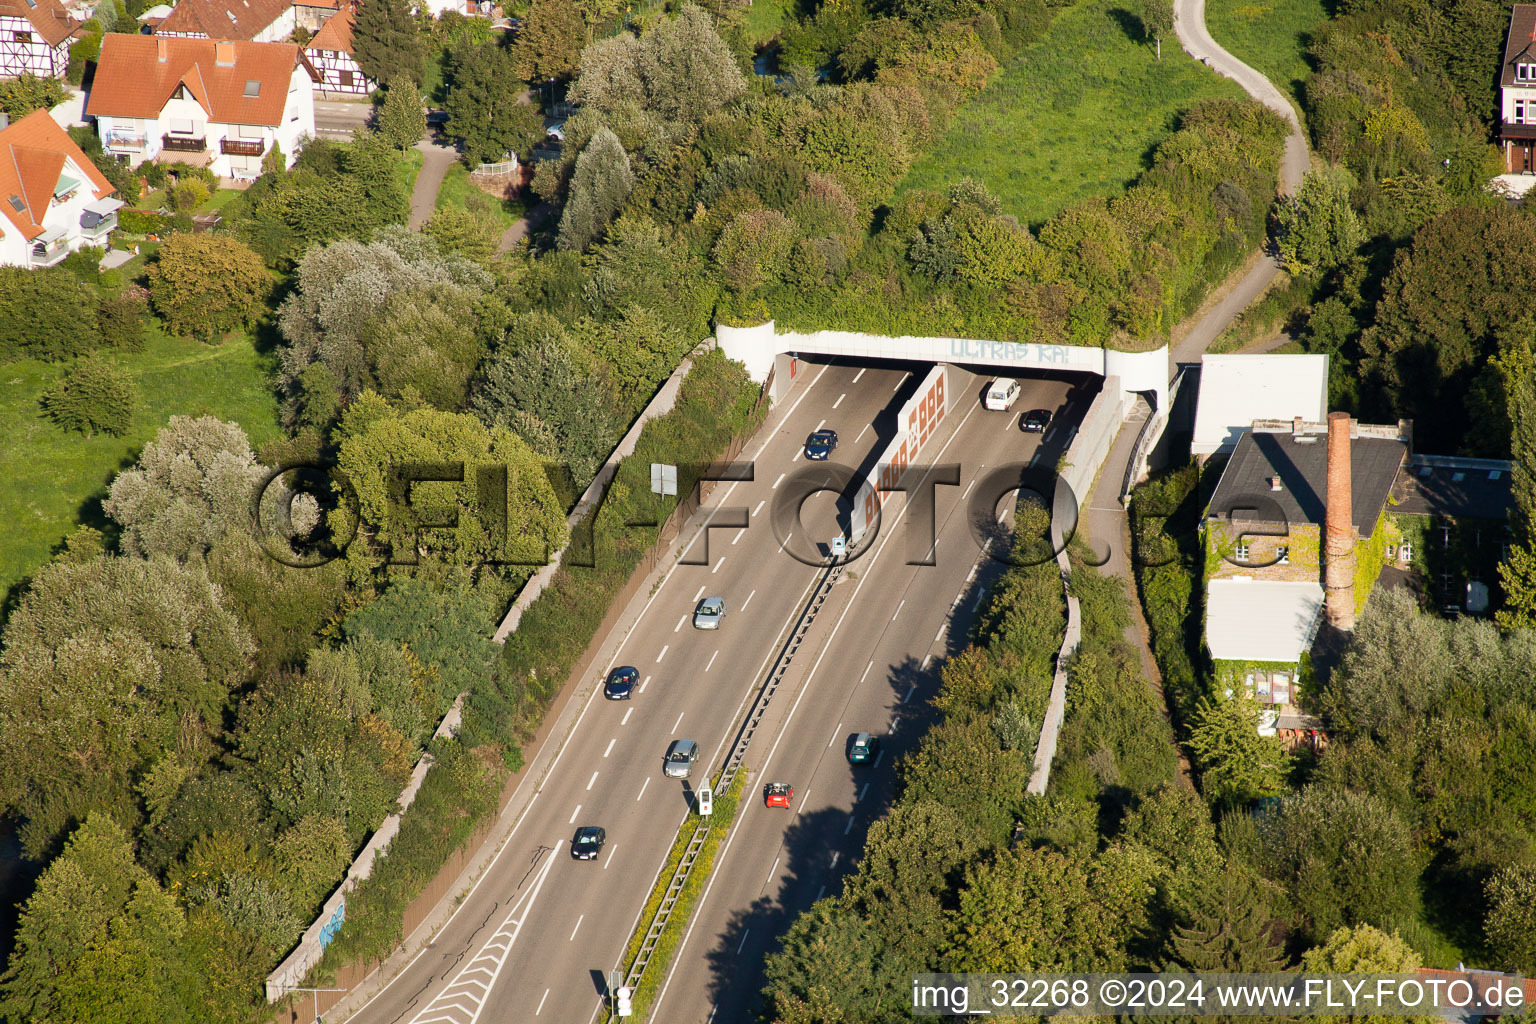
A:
346, 79
252, 90
250, 131
180, 93
1525, 72
21, 37
1242, 551
1524, 111
181, 126
1285, 556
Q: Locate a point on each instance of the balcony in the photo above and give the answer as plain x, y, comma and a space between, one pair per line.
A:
124, 140
184, 143
48, 251
243, 147
104, 227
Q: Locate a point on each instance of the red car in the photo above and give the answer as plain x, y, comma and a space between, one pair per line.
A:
778, 794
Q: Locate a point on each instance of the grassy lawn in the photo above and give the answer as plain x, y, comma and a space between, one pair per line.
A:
1075, 115
1268, 35
459, 191
219, 200
55, 479
407, 167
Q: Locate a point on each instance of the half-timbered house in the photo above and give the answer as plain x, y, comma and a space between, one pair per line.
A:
259, 21
330, 53
35, 36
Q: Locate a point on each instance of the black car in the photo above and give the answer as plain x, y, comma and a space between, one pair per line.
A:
1035, 421
587, 842
820, 444
620, 684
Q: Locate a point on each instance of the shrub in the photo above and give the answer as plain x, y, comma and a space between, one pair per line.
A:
91, 397
204, 286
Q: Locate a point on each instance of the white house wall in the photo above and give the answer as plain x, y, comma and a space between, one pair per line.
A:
34, 57
331, 63
16, 250
13, 247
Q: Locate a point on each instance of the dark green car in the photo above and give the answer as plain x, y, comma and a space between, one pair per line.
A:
862, 747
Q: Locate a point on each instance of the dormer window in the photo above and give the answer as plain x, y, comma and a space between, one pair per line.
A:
1525, 72
180, 93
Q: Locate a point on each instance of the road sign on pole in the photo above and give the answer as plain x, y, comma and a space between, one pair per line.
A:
706, 799
663, 478
839, 546
626, 1008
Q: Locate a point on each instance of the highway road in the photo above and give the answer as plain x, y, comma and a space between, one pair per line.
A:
883, 641
537, 935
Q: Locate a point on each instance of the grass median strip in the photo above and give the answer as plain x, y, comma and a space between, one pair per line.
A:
720, 821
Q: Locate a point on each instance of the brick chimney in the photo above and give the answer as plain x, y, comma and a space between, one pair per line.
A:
1338, 530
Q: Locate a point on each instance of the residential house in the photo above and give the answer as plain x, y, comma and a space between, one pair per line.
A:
1517, 92
223, 105
1237, 389
53, 199
257, 21
1296, 533
311, 14
330, 53
35, 37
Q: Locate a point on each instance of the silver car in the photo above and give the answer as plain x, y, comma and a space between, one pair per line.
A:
679, 760
709, 613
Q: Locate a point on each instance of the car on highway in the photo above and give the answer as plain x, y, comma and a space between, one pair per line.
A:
862, 747
1035, 421
778, 794
587, 842
620, 684
820, 444
1001, 394
679, 760
709, 613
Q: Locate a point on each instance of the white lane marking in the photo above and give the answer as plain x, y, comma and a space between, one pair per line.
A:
821, 423
579, 919
970, 575
545, 995
862, 790
835, 734
793, 458
777, 482
866, 670
819, 893
850, 825
699, 594
647, 782
804, 689
771, 872
895, 724
940, 634
609, 859
859, 374
839, 399
627, 713
1047, 435
754, 512
475, 980
879, 757
748, 600
968, 488
646, 680
490, 870
861, 434
573, 815
592, 782
926, 662
712, 658
910, 691
739, 534
679, 721
717, 566
835, 855
979, 595
742, 944
663, 654
679, 623
899, 607
609, 749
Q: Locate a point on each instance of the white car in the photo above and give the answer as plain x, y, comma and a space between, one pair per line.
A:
1001, 394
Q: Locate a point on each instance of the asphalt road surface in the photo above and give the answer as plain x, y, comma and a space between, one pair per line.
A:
537, 936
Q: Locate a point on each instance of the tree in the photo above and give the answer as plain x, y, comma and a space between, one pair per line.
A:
1227, 930
387, 44
401, 122
550, 42
472, 233
91, 396
485, 104
1237, 765
1318, 226
205, 286
754, 249
43, 315
1518, 571
826, 969
20, 96
563, 408
1511, 921
601, 183
1363, 950
681, 70
106, 663
1157, 21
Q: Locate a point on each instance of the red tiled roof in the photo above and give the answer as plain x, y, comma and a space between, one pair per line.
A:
329, 5
131, 80
32, 155
335, 34
1521, 40
224, 19
48, 17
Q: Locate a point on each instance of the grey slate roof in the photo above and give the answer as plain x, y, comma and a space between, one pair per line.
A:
1302, 467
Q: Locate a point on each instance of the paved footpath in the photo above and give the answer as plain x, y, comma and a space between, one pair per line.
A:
435, 163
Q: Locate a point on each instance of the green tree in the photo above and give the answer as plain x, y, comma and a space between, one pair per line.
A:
1157, 21
1511, 921
1518, 571
1363, 950
1227, 930
387, 44
826, 969
681, 70
42, 315
106, 663
401, 121
601, 183
205, 286
26, 93
91, 396
1237, 765
472, 234
561, 406
193, 483
754, 249
1318, 226
550, 42
485, 104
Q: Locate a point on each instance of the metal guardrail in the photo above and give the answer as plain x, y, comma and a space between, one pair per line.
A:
733, 761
